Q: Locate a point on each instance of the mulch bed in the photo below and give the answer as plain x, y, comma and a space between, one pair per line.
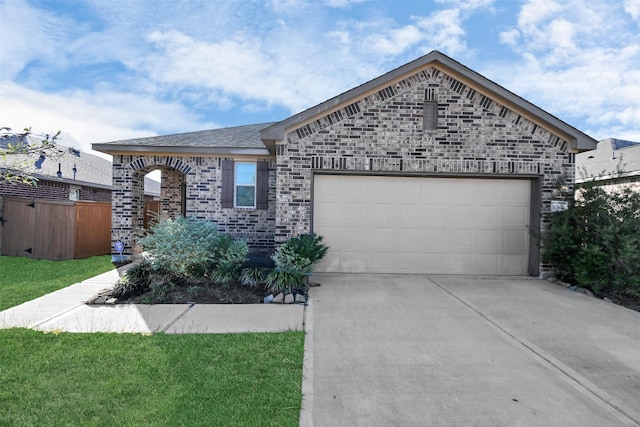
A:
204, 291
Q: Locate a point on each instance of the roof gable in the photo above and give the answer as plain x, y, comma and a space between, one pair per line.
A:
434, 67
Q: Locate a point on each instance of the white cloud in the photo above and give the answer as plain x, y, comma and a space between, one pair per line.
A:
510, 37
96, 116
396, 40
26, 34
632, 7
443, 31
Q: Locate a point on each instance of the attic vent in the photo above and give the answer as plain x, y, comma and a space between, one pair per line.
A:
430, 115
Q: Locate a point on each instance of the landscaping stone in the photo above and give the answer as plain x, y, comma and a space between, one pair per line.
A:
111, 301
100, 299
288, 299
278, 299
301, 299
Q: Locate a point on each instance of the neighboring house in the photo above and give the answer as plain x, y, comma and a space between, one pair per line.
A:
613, 164
74, 175
430, 168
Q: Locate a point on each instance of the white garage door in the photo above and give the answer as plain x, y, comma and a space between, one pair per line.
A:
382, 224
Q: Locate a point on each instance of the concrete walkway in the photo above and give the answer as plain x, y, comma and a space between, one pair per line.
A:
467, 351
65, 311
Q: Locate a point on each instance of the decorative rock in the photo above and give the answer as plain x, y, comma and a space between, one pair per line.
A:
100, 300
278, 299
111, 301
301, 299
91, 300
288, 299
268, 299
607, 299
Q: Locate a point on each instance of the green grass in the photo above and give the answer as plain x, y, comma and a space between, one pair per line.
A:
23, 279
160, 380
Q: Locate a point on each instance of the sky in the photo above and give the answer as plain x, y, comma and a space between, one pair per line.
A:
107, 70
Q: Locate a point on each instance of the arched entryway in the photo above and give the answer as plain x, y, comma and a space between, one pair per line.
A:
128, 221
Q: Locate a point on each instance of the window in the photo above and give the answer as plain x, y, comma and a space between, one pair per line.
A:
245, 185
74, 194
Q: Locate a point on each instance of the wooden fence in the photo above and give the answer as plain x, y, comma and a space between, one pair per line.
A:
55, 230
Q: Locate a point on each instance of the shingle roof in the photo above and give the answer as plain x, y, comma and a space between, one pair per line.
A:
610, 155
91, 170
231, 140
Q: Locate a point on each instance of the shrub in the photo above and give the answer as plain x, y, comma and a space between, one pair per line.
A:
596, 242
134, 282
253, 276
294, 261
309, 246
230, 256
184, 246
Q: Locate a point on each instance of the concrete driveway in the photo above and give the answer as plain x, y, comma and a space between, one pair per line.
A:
414, 350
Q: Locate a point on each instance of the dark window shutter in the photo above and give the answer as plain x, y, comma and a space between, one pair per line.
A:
262, 185
430, 115
227, 184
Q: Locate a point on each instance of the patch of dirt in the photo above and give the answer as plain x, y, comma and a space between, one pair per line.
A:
203, 291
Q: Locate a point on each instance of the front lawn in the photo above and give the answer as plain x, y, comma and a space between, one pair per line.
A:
24, 279
159, 380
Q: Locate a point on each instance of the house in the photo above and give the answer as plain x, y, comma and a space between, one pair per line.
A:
613, 164
72, 175
429, 168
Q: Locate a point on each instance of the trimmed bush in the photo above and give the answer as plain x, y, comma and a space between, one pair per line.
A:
183, 247
230, 257
294, 261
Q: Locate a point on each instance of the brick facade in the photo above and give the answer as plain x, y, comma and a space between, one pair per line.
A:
383, 133
431, 117
202, 181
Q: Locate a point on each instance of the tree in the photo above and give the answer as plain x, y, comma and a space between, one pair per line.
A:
22, 152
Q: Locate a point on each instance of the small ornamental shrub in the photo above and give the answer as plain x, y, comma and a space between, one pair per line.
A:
294, 261
134, 282
183, 246
229, 258
309, 246
596, 242
253, 276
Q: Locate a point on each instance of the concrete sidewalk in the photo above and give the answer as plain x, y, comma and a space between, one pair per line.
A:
458, 350
65, 311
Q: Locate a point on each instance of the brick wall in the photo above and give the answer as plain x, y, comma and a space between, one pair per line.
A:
202, 177
54, 191
383, 132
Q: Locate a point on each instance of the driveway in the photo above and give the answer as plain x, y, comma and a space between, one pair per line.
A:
415, 350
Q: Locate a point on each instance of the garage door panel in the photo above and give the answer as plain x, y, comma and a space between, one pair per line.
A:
489, 239
461, 263
422, 225
514, 241
515, 215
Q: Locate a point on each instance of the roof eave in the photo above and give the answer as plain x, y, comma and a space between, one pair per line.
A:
114, 149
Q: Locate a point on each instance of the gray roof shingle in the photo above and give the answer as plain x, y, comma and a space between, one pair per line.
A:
229, 140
